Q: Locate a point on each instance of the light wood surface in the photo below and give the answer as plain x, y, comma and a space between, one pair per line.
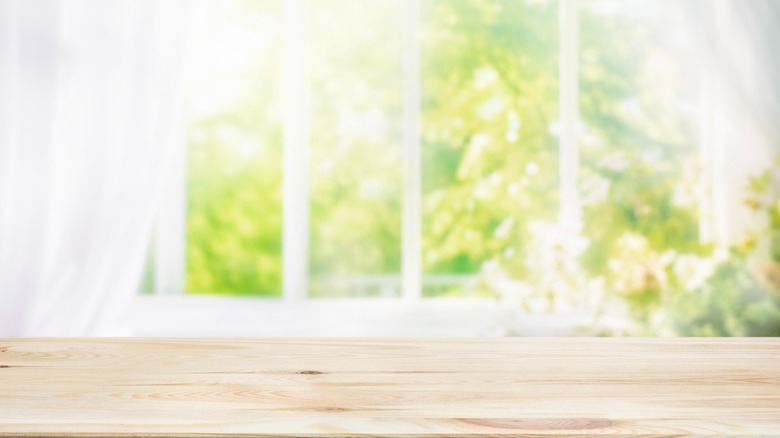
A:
360, 387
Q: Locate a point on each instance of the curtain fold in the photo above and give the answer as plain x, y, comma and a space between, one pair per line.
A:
88, 98
739, 39
739, 107
756, 61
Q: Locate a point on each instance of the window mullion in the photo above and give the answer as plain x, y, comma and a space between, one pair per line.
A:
170, 226
720, 166
707, 137
411, 271
569, 112
713, 206
296, 135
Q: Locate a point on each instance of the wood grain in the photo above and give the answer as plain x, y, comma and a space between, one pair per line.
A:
361, 387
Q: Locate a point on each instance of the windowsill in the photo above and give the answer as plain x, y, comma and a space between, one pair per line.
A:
211, 316
223, 316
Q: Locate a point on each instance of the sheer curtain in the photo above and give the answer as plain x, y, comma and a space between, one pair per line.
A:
741, 94
88, 91
739, 39
750, 52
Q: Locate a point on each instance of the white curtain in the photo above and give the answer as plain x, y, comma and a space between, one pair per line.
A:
739, 40
88, 92
752, 52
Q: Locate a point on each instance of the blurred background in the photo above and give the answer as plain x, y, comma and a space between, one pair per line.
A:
390, 168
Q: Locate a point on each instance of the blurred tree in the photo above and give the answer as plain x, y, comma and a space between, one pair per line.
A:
490, 159
234, 139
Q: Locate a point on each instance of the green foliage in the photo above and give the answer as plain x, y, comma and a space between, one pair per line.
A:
234, 175
490, 163
733, 302
355, 159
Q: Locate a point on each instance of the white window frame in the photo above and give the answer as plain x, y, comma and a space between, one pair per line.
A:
167, 311
295, 224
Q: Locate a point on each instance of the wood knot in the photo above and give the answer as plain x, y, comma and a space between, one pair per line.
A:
5, 366
309, 372
323, 409
542, 423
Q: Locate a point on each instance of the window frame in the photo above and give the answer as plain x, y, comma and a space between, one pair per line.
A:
168, 311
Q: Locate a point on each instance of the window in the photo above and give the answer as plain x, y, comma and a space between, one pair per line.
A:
409, 149
355, 153
234, 150
468, 95
489, 159
638, 152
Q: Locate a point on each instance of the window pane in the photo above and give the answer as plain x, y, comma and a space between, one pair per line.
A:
489, 85
234, 150
639, 162
355, 147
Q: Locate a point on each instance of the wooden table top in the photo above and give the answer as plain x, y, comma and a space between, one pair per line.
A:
359, 387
